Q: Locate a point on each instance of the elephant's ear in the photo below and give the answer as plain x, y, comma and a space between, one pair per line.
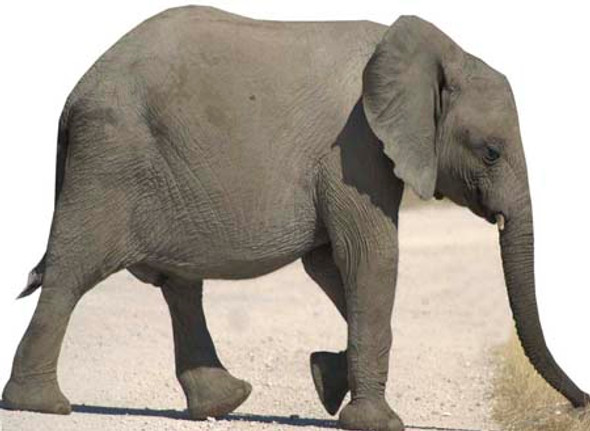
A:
402, 86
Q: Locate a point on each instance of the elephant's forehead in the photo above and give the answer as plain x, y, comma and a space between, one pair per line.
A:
488, 110
488, 94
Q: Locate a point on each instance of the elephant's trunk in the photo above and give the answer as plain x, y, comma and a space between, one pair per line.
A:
516, 240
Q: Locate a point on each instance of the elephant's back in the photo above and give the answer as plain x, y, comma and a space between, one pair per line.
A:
192, 58
208, 36
247, 83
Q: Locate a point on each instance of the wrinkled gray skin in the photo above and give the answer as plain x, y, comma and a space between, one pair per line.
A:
208, 145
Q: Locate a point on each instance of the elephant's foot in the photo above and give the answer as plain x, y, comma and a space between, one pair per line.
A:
212, 392
37, 394
368, 414
330, 376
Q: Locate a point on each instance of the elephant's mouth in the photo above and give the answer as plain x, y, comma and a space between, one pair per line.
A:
492, 216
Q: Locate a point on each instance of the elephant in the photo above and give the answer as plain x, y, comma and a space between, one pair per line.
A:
207, 145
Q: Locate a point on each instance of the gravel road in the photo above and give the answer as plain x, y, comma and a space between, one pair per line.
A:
117, 364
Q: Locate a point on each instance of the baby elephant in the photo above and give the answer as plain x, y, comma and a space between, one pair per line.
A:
207, 145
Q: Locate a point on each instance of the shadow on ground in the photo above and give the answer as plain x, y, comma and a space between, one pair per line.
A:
182, 415
177, 414
245, 417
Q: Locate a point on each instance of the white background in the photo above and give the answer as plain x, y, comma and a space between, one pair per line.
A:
542, 47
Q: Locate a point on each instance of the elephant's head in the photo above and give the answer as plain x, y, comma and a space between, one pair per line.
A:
448, 121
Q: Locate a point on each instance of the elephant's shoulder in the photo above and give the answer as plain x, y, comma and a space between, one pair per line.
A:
356, 169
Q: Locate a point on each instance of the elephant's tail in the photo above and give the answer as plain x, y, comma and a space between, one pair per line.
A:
35, 279
36, 275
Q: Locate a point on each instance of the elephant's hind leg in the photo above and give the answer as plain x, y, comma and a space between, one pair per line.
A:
328, 369
79, 255
33, 382
210, 390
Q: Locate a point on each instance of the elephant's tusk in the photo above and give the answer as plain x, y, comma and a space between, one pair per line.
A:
500, 221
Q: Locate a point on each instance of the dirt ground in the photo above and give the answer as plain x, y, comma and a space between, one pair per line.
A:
117, 364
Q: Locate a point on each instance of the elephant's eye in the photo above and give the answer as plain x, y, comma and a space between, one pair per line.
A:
492, 154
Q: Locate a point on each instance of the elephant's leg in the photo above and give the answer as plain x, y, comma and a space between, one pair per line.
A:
319, 265
328, 369
209, 388
76, 261
33, 383
363, 236
369, 267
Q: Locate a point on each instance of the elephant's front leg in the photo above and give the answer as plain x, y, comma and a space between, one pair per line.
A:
369, 274
364, 243
329, 370
209, 388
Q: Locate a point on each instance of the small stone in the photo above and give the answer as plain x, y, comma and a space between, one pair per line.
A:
211, 419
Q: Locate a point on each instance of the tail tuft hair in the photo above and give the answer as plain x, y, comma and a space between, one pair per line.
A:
35, 279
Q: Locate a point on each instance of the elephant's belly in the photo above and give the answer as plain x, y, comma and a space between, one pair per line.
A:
252, 254
231, 220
